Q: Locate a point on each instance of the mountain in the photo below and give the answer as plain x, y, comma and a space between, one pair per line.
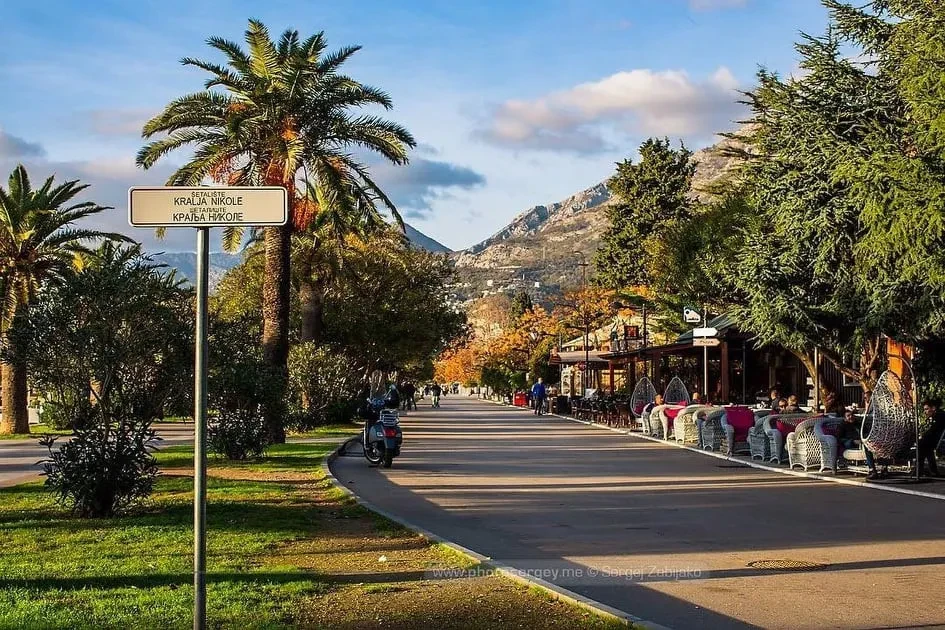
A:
423, 241
539, 244
186, 264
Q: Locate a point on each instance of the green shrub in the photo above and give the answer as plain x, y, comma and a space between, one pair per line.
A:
322, 384
104, 469
238, 434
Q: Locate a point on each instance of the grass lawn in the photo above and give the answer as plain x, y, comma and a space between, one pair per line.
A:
37, 431
343, 429
286, 550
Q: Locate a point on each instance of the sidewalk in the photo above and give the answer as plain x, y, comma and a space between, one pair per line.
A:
933, 488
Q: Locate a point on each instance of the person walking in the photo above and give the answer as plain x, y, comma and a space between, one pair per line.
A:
539, 394
435, 391
409, 391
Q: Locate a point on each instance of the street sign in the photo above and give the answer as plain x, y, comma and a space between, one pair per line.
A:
203, 207
706, 342
691, 315
705, 332
207, 206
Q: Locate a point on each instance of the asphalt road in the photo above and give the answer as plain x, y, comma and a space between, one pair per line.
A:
19, 458
659, 532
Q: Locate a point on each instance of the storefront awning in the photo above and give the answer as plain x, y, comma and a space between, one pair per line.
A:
571, 358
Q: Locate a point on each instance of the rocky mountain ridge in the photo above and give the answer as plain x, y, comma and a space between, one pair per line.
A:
538, 245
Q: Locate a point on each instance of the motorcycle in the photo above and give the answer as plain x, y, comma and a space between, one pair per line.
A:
382, 436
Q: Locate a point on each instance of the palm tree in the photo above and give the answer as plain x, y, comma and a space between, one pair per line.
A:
274, 113
37, 244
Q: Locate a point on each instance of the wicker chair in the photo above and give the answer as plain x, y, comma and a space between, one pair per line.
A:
726, 429
759, 446
713, 435
667, 415
687, 424
811, 446
655, 422
676, 393
643, 394
892, 430
776, 434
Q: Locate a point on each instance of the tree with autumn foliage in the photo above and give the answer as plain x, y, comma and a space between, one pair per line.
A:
273, 113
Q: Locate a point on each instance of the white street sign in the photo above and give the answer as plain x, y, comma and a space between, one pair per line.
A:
707, 342
705, 332
207, 206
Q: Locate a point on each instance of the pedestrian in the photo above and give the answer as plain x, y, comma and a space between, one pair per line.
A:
409, 391
435, 391
539, 394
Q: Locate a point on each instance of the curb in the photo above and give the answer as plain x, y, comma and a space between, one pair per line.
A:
749, 463
509, 572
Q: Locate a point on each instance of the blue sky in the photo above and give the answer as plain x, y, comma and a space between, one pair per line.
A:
514, 103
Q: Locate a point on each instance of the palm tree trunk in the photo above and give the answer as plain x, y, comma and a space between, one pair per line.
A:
15, 416
275, 311
312, 299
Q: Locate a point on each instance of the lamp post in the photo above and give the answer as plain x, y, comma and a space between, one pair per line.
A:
583, 265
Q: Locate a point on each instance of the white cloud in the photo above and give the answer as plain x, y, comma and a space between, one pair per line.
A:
712, 5
639, 101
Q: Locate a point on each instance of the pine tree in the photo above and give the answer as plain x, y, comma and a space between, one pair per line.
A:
650, 195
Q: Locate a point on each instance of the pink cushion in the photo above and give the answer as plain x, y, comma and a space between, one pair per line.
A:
741, 419
638, 409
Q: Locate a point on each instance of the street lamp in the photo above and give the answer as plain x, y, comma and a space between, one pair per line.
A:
583, 265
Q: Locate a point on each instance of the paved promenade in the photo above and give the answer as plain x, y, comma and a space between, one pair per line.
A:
662, 533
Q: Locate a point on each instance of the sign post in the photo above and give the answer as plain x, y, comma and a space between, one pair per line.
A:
202, 208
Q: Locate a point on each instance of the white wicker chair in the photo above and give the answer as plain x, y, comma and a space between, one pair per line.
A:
810, 447
686, 425
664, 419
654, 422
829, 447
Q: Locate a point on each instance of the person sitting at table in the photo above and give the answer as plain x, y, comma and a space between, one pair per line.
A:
696, 399
792, 405
780, 406
774, 400
656, 403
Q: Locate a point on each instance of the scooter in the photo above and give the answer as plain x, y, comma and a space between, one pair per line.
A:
382, 439
382, 436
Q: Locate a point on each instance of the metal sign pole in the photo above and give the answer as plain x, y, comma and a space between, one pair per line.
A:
705, 360
203, 207
200, 433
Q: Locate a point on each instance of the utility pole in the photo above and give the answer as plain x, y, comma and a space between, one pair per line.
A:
583, 265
